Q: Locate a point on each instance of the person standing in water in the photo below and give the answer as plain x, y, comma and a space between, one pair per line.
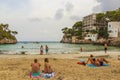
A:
80, 48
105, 47
46, 49
41, 50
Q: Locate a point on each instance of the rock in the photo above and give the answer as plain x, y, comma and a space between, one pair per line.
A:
8, 41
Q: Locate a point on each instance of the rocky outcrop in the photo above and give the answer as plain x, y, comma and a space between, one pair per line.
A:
82, 42
65, 39
114, 42
8, 41
110, 41
101, 41
74, 40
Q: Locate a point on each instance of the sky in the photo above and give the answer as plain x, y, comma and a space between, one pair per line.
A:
42, 20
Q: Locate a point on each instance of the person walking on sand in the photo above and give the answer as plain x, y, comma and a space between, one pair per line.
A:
41, 50
105, 47
46, 49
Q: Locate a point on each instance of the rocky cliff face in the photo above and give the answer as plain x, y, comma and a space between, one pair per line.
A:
65, 39
110, 42
74, 40
8, 41
114, 42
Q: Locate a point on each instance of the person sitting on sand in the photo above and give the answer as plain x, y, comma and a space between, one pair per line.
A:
47, 72
91, 59
35, 68
47, 66
96, 61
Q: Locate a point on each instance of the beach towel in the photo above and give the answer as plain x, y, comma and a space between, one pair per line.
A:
81, 62
93, 66
35, 75
48, 75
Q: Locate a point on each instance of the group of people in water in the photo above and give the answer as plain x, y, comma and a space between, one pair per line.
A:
42, 49
38, 71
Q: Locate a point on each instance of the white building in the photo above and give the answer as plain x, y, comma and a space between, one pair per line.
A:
114, 29
92, 37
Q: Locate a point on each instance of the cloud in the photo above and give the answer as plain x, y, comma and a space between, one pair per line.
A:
59, 14
35, 19
105, 5
69, 6
75, 17
44, 19
14, 4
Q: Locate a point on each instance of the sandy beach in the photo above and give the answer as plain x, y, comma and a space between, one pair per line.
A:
17, 67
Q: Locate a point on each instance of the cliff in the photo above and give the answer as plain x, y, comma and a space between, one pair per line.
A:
8, 41
110, 41
114, 42
6, 35
74, 40
66, 39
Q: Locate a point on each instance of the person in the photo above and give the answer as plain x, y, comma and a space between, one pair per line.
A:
91, 59
105, 47
22, 46
46, 49
47, 72
81, 49
41, 50
47, 66
96, 61
35, 69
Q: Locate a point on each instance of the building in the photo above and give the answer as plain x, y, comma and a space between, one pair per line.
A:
92, 37
89, 22
114, 29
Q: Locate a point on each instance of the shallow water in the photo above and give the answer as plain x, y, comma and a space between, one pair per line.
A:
54, 47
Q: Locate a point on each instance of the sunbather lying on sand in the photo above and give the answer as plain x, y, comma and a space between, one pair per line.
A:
96, 61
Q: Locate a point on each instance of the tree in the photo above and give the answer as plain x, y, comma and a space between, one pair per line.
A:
103, 32
5, 32
77, 25
70, 31
64, 30
14, 32
94, 31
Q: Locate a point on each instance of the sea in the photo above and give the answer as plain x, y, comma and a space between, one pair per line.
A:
54, 47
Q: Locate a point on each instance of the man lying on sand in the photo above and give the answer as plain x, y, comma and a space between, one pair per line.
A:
96, 62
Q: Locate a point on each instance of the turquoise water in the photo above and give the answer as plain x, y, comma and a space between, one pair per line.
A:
54, 47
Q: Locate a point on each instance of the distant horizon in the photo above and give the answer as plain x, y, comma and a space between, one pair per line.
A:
38, 41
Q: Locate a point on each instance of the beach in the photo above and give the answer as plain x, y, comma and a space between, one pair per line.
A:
17, 67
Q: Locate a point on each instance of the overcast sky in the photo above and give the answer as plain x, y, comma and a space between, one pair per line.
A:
42, 20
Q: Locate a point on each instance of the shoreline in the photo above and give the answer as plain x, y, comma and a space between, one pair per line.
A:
64, 55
